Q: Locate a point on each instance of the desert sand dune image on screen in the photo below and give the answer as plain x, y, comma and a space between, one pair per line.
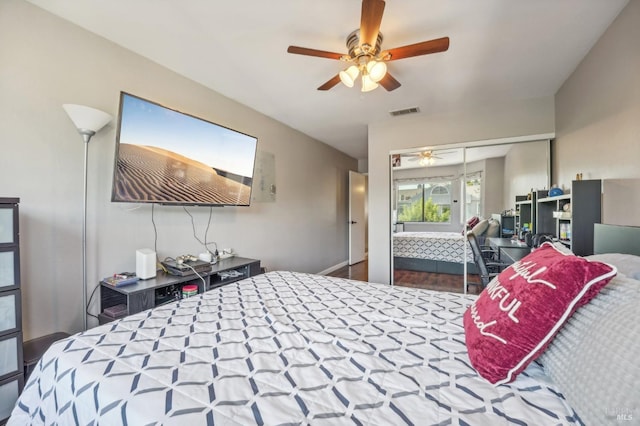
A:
156, 175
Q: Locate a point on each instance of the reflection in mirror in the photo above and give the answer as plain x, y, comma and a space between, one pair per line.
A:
434, 195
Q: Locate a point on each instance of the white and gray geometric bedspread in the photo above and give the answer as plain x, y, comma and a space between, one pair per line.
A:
284, 348
442, 246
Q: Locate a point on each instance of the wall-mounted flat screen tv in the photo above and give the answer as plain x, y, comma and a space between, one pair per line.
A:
165, 156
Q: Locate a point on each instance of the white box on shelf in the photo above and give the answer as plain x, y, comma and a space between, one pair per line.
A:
145, 263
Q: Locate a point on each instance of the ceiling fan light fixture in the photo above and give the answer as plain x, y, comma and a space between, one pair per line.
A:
348, 76
368, 84
426, 158
364, 46
376, 70
426, 161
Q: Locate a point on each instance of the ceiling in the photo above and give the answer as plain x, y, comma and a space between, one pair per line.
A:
499, 50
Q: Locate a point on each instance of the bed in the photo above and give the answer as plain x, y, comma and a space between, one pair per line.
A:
293, 348
439, 252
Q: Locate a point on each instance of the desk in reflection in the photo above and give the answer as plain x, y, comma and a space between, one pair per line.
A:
509, 251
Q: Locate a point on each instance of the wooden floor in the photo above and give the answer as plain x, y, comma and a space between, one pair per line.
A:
426, 280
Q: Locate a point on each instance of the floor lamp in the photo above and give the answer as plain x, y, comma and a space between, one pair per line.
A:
88, 121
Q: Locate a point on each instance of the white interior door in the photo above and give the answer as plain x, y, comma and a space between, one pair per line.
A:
357, 189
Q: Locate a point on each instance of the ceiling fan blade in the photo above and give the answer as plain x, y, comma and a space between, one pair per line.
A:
370, 21
422, 48
313, 52
329, 84
389, 83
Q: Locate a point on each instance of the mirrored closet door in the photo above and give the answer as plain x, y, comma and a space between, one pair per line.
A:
436, 193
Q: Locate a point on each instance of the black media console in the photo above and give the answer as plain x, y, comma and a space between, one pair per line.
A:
164, 288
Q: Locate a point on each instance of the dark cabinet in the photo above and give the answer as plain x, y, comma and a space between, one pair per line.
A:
11, 363
117, 302
570, 217
526, 213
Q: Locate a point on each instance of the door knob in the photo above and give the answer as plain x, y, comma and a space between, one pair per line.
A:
353, 222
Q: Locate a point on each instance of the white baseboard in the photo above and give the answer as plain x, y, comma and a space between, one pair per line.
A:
339, 265
334, 268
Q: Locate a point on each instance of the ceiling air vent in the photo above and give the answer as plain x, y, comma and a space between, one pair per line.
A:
405, 111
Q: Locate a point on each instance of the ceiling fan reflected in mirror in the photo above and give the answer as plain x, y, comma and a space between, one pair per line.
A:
427, 158
368, 60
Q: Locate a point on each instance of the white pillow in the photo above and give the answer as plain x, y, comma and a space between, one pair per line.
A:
627, 264
594, 357
493, 230
479, 229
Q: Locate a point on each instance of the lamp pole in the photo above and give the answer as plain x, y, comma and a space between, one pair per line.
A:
88, 121
86, 135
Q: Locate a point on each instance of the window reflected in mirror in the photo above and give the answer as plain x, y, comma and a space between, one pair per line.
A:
428, 201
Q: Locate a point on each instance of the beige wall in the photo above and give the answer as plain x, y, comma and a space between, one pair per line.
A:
598, 108
512, 120
45, 62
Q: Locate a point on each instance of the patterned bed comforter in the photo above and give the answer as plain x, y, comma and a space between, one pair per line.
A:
442, 246
284, 348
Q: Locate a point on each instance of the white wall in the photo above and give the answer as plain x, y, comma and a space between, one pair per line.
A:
527, 117
493, 183
45, 62
621, 202
526, 167
598, 108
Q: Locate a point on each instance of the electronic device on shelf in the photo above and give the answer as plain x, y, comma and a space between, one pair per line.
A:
186, 265
226, 275
186, 258
167, 294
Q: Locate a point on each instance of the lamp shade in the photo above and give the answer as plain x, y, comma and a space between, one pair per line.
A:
348, 76
368, 84
426, 161
376, 70
87, 118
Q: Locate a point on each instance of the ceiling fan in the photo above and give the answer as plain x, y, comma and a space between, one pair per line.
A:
365, 54
426, 158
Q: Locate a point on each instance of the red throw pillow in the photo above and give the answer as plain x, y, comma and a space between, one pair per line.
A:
518, 314
473, 221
